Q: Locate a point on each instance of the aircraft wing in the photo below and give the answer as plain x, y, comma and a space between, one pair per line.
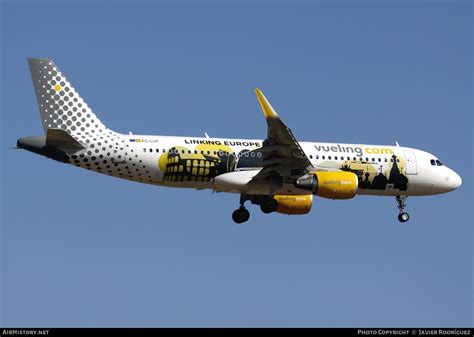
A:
281, 152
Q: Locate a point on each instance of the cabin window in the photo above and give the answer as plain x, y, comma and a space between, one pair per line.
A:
324, 157
329, 157
310, 156
385, 159
317, 157
144, 150
335, 157
151, 150
380, 160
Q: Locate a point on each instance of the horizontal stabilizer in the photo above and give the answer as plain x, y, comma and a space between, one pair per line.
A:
61, 139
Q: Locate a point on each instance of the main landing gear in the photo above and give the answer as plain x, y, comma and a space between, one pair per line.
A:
241, 214
268, 205
401, 203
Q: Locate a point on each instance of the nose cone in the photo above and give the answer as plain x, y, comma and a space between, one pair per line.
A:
452, 181
456, 180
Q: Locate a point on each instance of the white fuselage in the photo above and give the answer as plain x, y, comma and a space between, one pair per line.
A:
280, 174
229, 164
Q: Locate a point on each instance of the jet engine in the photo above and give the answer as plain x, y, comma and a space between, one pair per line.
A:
293, 204
330, 185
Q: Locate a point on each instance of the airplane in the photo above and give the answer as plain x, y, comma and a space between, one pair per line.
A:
279, 173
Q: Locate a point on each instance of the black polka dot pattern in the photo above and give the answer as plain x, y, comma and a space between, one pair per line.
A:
61, 107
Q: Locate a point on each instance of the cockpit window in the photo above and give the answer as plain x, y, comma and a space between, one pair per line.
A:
438, 163
433, 162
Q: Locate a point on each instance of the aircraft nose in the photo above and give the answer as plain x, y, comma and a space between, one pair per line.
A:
456, 180
452, 180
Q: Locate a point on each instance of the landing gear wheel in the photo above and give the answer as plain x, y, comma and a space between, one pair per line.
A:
403, 217
240, 215
401, 204
269, 206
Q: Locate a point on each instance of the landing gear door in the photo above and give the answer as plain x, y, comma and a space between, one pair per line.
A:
119, 151
411, 162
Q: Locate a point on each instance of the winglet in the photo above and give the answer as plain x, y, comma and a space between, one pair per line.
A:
267, 109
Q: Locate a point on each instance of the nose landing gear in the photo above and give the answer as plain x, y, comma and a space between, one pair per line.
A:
401, 203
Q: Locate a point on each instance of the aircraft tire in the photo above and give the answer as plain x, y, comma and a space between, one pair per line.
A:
269, 206
240, 215
403, 217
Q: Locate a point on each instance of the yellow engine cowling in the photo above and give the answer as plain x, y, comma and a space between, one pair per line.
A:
331, 185
336, 185
294, 204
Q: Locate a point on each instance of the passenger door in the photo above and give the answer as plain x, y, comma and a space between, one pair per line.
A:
411, 162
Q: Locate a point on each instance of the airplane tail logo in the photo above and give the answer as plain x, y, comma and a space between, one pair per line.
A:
59, 103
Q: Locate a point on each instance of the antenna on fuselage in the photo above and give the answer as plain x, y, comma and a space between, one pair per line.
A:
205, 134
397, 143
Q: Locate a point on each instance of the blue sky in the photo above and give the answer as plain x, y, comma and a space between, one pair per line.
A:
82, 249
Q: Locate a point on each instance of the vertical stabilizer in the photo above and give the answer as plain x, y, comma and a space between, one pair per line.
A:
59, 103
